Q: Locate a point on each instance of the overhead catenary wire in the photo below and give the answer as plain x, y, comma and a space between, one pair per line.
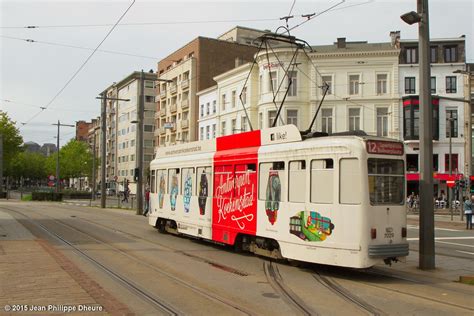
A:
82, 65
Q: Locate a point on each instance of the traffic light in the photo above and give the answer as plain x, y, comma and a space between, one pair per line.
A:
462, 183
136, 174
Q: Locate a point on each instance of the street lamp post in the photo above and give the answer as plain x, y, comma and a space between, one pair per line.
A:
103, 128
426, 243
451, 194
57, 156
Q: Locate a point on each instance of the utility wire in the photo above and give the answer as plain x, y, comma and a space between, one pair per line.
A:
292, 6
316, 15
137, 24
77, 47
83, 64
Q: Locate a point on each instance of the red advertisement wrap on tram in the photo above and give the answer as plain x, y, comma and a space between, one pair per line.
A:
234, 207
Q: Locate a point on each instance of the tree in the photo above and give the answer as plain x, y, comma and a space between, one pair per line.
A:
12, 141
31, 166
75, 160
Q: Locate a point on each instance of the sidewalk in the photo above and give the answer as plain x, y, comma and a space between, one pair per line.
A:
35, 275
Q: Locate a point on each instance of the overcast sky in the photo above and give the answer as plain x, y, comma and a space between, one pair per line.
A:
32, 74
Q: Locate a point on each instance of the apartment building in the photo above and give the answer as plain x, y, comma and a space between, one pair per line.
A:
208, 120
82, 130
188, 70
121, 123
93, 139
451, 113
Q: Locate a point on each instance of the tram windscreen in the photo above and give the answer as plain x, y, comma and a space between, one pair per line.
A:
386, 181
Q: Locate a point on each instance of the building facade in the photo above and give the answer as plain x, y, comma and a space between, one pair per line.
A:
188, 70
208, 120
450, 120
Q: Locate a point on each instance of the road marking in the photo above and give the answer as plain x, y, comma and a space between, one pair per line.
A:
445, 238
456, 244
469, 253
436, 228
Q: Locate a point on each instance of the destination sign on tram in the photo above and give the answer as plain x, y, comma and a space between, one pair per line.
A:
384, 147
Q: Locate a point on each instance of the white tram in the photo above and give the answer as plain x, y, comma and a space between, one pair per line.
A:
336, 200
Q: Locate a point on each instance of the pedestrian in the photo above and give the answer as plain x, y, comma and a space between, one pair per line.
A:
126, 192
468, 206
147, 202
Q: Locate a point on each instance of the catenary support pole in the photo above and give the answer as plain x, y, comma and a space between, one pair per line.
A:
103, 152
140, 118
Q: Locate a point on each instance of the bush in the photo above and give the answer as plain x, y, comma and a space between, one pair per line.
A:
46, 196
27, 197
76, 195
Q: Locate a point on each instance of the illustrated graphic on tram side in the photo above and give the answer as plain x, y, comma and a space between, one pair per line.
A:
203, 193
188, 189
161, 190
174, 191
311, 226
273, 194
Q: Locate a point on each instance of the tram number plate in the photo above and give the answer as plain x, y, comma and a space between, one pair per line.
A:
389, 232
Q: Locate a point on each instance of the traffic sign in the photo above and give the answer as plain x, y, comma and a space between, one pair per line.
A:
51, 178
451, 183
51, 184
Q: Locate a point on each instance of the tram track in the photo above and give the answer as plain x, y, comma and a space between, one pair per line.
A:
142, 293
125, 282
275, 280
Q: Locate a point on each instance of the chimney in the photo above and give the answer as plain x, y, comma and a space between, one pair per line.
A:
341, 42
395, 39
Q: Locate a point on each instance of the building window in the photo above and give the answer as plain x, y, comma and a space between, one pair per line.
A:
223, 131
411, 55
149, 98
450, 54
382, 122
214, 107
202, 110
454, 158
201, 134
148, 128
260, 120
244, 95
353, 84
208, 108
326, 126
412, 162
149, 84
208, 132
292, 117
271, 117
272, 81
148, 143
410, 85
433, 85
223, 102
243, 124
233, 125
292, 77
411, 116
260, 87
213, 130
234, 98
327, 81
354, 119
433, 54
451, 84
381, 83
451, 123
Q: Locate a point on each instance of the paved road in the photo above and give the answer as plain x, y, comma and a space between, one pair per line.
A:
454, 241
115, 254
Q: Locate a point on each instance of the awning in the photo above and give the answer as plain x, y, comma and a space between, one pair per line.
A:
437, 176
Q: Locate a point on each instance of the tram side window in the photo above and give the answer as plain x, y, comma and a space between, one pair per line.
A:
272, 183
187, 179
349, 181
173, 184
322, 181
204, 182
152, 181
297, 181
161, 181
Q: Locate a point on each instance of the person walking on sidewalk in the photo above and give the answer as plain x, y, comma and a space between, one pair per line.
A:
147, 202
468, 206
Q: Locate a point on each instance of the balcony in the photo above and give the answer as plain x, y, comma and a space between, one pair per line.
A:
173, 108
163, 112
174, 89
162, 130
163, 94
157, 115
185, 104
185, 84
184, 124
